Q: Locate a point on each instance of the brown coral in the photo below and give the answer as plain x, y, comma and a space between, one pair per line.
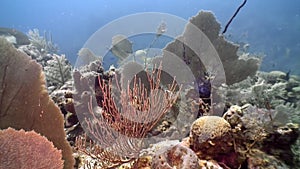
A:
210, 137
259, 159
26, 150
177, 156
190, 45
236, 68
24, 101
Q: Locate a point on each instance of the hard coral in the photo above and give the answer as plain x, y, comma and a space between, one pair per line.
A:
43, 43
26, 150
259, 159
204, 164
57, 71
177, 156
210, 137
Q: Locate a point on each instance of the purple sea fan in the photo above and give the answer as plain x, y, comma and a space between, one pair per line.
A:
204, 87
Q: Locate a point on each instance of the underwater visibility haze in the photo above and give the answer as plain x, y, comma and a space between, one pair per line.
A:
150, 84
271, 28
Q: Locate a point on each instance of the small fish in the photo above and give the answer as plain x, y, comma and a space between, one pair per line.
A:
287, 75
162, 28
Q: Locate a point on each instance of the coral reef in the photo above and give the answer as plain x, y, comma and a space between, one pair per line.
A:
17, 38
33, 52
126, 111
57, 71
237, 68
177, 156
256, 129
63, 98
274, 88
25, 103
175, 124
278, 143
20, 149
276, 94
210, 137
209, 164
43, 43
119, 125
56, 67
259, 159
208, 64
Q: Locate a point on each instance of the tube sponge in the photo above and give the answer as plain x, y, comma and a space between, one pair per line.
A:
20, 149
24, 101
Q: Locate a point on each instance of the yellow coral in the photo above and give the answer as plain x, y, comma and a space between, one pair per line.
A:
210, 135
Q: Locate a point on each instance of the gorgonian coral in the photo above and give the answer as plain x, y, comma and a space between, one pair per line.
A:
20, 149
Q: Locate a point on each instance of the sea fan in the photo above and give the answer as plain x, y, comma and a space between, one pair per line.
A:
21, 149
25, 103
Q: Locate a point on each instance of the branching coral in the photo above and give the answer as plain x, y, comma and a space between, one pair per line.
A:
57, 71
43, 43
255, 128
108, 157
35, 54
121, 115
57, 68
266, 90
20, 149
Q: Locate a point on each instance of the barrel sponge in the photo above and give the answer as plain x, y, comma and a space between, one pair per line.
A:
176, 156
209, 136
20, 149
24, 101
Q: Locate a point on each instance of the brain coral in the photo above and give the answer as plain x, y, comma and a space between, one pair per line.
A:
210, 136
26, 150
177, 156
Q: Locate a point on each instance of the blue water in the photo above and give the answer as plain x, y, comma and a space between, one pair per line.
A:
271, 27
